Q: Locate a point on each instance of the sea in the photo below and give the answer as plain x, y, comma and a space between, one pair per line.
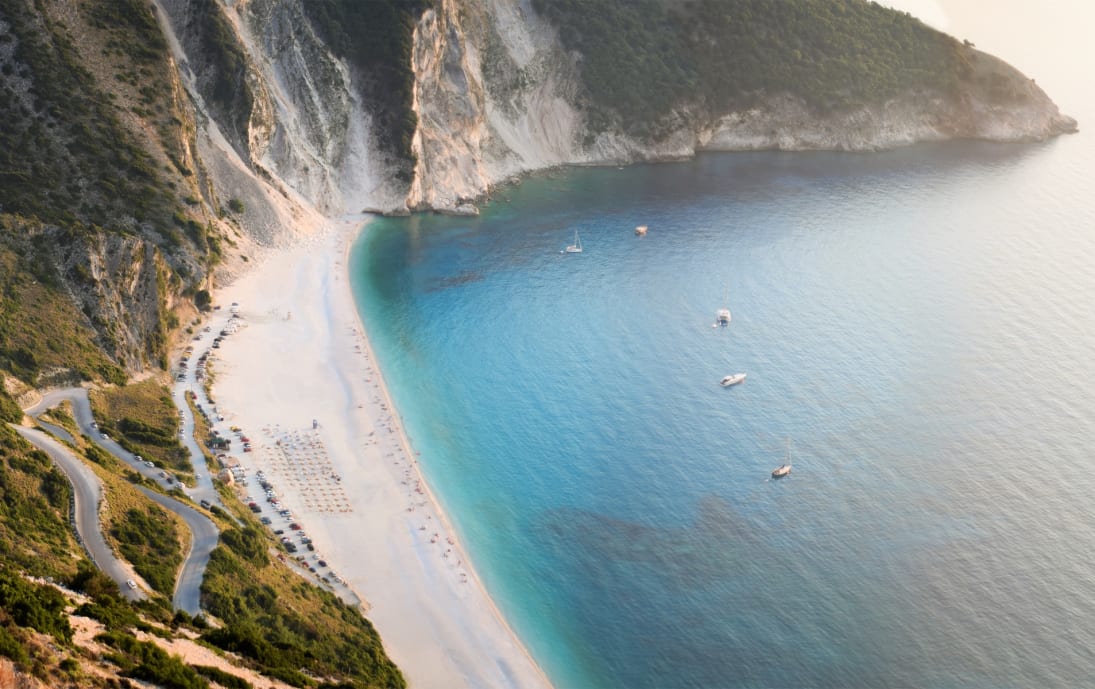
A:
918, 331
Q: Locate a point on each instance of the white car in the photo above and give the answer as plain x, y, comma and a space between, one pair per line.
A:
131, 584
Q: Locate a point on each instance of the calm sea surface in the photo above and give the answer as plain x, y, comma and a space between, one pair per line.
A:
920, 324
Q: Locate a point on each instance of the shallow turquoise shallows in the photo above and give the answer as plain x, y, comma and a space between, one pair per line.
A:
920, 324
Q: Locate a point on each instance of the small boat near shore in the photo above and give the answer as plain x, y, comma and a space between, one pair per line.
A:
732, 380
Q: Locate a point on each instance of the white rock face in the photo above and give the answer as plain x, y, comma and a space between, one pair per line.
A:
308, 133
317, 136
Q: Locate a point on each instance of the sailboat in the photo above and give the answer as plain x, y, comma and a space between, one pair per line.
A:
785, 468
576, 247
722, 316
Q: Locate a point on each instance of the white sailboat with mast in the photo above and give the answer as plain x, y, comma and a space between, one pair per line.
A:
785, 468
576, 247
722, 316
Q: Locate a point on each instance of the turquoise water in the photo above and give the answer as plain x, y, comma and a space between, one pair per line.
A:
920, 324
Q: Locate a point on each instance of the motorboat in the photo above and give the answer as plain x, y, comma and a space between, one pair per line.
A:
722, 316
640, 231
732, 380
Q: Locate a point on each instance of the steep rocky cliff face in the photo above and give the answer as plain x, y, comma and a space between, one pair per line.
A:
284, 104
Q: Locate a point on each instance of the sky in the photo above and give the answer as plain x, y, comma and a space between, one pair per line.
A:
927, 11
1052, 41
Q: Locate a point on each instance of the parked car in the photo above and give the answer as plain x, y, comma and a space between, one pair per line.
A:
266, 520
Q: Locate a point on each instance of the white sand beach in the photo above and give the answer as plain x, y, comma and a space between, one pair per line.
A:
352, 482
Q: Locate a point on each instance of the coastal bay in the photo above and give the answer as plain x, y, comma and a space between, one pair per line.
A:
911, 321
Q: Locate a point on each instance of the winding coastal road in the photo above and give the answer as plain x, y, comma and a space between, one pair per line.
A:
204, 533
87, 493
205, 536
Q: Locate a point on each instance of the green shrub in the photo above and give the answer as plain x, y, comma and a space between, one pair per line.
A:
11, 647
35, 534
642, 59
249, 543
293, 631
149, 540
150, 663
112, 611
145, 433
40, 607
225, 679
9, 409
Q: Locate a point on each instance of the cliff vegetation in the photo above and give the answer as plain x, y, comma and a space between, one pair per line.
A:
95, 158
287, 628
143, 419
641, 60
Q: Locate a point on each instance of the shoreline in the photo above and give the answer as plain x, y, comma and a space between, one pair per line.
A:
331, 441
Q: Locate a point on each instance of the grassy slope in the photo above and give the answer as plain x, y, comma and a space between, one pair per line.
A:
287, 627
142, 417
35, 536
97, 142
